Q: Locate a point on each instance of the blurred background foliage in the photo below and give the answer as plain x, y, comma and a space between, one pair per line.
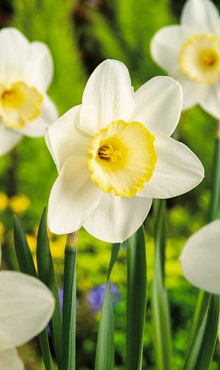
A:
80, 35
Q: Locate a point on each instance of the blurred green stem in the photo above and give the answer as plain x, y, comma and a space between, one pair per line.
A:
12, 172
69, 303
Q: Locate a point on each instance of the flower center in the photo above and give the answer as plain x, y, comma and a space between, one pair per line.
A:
122, 158
199, 58
19, 104
109, 154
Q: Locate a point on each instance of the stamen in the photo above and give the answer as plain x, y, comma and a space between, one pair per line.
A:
107, 152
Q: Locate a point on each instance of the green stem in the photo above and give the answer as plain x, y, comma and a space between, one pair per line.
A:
69, 303
215, 191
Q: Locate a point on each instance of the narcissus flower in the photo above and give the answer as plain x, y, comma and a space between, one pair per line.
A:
114, 154
190, 53
200, 258
26, 306
25, 73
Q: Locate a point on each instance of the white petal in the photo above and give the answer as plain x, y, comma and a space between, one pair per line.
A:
117, 218
10, 360
177, 170
39, 66
211, 100
48, 115
109, 91
158, 104
8, 139
73, 197
200, 15
87, 119
166, 45
26, 306
64, 139
200, 258
193, 92
14, 53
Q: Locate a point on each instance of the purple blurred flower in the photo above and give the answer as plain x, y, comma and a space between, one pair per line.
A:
96, 296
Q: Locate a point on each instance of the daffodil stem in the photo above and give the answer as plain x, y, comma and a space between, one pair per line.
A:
203, 302
215, 191
69, 303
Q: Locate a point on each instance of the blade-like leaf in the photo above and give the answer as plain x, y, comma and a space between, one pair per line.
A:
136, 300
47, 275
22, 249
105, 342
204, 325
201, 351
26, 265
69, 304
160, 308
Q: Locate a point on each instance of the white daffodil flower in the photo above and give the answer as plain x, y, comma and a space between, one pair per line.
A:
200, 258
25, 73
113, 154
190, 53
26, 306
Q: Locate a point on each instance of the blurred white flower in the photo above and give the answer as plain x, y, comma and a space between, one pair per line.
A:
114, 154
26, 306
190, 53
200, 258
26, 71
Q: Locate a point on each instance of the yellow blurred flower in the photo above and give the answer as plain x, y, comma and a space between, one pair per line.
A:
19, 203
57, 248
3, 201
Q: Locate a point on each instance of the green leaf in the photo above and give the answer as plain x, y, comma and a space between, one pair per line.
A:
22, 249
45, 350
47, 275
160, 307
204, 326
26, 265
136, 300
69, 307
201, 351
105, 342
